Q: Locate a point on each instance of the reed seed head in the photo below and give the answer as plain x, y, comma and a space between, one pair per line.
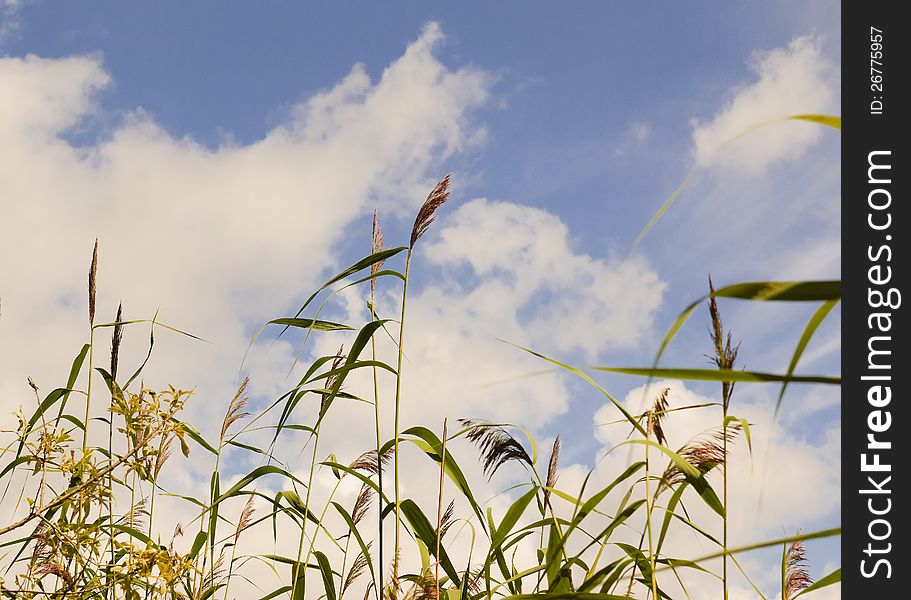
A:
425, 216
657, 415
724, 352
377, 246
552, 470
357, 569
496, 445
246, 516
93, 278
235, 407
702, 453
116, 338
362, 504
796, 576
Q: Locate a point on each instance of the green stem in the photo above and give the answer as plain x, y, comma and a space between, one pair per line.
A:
300, 547
398, 398
379, 458
88, 392
648, 523
724, 494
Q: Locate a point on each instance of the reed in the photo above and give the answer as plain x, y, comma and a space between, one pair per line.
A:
69, 538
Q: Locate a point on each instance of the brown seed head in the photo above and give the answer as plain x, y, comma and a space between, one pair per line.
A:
246, 515
552, 471
425, 217
796, 577
657, 415
376, 247
703, 453
116, 338
236, 407
724, 352
93, 274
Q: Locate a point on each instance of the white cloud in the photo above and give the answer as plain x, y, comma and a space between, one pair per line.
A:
524, 255
218, 238
790, 81
9, 18
222, 238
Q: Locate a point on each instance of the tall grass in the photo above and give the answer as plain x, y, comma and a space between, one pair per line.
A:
85, 525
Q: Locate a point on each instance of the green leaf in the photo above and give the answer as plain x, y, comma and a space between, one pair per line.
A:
775, 542
254, 475
694, 477
512, 517
311, 324
433, 447
326, 570
818, 317
833, 577
198, 543
427, 534
352, 527
568, 596
745, 425
633, 421
827, 120
721, 375
760, 291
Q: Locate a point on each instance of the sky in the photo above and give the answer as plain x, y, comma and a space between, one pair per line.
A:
229, 158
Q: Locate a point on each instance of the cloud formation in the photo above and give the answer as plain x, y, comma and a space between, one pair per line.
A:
789, 81
217, 238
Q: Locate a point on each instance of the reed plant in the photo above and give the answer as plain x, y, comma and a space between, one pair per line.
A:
84, 521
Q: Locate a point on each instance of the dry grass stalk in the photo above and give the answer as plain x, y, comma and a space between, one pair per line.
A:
437, 197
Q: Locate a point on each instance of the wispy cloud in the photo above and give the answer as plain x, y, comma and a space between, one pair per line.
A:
789, 81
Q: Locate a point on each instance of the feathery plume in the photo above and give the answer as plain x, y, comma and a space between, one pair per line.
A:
332, 380
795, 577
236, 407
703, 453
357, 568
657, 415
377, 247
369, 463
59, 571
725, 354
362, 504
93, 274
447, 521
246, 515
496, 445
425, 217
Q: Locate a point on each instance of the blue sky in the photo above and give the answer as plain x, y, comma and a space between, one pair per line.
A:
208, 144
